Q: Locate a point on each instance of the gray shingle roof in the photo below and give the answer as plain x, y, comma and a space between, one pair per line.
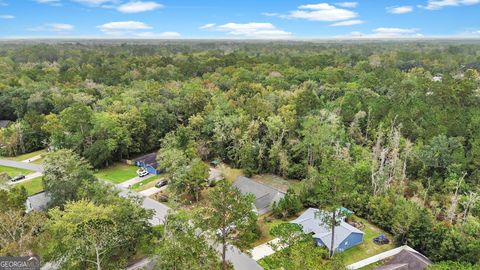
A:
264, 195
37, 202
406, 260
148, 159
312, 224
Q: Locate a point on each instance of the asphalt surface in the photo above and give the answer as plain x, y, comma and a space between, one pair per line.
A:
27, 178
21, 165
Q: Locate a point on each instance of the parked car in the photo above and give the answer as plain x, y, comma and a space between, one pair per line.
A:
18, 178
381, 240
142, 172
162, 183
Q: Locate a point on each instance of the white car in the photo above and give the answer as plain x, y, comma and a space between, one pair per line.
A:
142, 172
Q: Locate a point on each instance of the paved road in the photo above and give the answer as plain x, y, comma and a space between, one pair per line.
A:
160, 210
21, 165
134, 180
27, 177
239, 260
151, 191
263, 250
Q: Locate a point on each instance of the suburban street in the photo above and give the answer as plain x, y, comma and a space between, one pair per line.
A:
240, 261
21, 165
27, 177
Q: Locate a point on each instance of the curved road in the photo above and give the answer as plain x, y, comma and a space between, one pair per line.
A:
240, 260
21, 165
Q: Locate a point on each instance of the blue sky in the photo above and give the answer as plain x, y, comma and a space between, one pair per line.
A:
256, 19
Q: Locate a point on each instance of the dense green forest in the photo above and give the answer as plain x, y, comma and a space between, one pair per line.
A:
390, 130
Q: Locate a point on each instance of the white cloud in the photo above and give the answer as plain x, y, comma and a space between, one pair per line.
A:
348, 23
158, 35
347, 4
7, 17
470, 33
399, 9
53, 27
271, 14
439, 4
207, 26
394, 31
386, 32
138, 6
249, 30
133, 29
120, 26
320, 12
94, 3
49, 2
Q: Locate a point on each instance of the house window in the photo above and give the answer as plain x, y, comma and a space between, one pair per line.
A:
346, 243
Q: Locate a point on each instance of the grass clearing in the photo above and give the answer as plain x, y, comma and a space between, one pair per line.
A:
117, 173
32, 186
14, 171
367, 248
39, 161
277, 182
229, 173
28, 155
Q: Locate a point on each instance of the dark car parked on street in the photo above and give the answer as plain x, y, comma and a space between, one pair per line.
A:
162, 183
17, 178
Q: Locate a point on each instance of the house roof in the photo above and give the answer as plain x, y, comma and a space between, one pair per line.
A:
264, 195
5, 123
148, 159
37, 202
311, 223
406, 260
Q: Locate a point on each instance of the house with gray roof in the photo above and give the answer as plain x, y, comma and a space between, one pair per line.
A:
265, 195
37, 202
346, 236
406, 260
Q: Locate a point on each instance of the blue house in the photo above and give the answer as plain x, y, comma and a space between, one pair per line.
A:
148, 162
346, 236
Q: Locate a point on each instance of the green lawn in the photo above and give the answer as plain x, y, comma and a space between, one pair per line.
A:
32, 186
14, 171
39, 161
117, 173
367, 248
229, 173
147, 183
28, 155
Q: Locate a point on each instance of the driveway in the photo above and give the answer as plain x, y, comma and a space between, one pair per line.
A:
133, 181
263, 250
27, 177
21, 165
